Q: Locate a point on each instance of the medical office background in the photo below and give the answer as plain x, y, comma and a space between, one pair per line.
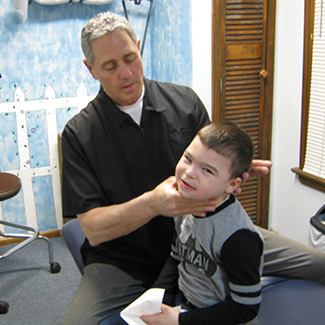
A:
42, 74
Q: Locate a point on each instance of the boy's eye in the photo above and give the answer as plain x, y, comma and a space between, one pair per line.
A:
207, 170
187, 158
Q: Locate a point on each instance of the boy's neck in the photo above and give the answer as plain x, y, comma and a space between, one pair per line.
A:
222, 198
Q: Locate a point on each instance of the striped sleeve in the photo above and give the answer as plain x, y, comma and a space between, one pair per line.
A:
241, 256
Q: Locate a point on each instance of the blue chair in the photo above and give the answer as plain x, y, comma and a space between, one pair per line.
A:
74, 238
290, 301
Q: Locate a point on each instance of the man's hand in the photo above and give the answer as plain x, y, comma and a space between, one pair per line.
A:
166, 201
258, 167
167, 316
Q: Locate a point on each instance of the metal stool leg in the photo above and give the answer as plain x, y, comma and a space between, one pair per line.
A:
54, 266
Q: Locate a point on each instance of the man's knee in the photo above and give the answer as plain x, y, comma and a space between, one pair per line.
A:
104, 290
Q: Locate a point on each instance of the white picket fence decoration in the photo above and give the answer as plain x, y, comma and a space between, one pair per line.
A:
50, 103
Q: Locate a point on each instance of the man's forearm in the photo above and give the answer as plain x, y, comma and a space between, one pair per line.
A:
107, 223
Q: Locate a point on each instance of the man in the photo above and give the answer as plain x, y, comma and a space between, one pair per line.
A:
119, 155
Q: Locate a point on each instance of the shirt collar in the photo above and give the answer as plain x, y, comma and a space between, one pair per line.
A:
231, 199
150, 103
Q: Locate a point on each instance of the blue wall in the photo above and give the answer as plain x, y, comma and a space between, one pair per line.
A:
45, 50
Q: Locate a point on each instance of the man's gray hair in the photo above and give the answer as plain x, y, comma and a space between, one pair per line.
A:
100, 25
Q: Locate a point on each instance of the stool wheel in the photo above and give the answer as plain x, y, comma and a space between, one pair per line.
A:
4, 306
55, 267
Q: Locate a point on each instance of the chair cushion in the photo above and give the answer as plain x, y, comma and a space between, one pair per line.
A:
292, 301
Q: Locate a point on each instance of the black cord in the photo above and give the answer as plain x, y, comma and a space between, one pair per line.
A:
137, 2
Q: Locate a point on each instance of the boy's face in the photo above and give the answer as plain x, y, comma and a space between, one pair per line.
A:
202, 174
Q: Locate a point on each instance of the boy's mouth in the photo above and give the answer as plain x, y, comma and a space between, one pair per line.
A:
187, 185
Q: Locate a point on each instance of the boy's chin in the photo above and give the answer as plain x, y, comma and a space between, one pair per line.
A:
187, 195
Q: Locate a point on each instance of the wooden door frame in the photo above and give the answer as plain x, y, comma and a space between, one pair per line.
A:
218, 9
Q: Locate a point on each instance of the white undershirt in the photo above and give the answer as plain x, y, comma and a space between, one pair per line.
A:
135, 109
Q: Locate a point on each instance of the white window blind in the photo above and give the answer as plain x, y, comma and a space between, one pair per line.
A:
315, 146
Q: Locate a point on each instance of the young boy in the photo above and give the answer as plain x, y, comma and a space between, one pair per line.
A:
216, 262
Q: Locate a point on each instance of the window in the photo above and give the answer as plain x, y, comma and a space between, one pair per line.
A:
312, 151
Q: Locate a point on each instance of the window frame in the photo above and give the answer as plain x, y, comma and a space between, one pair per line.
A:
306, 178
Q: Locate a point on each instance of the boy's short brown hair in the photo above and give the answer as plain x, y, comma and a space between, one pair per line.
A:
230, 141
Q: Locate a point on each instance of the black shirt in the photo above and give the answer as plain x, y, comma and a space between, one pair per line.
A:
109, 159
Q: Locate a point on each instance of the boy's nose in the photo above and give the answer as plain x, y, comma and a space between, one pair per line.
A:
190, 172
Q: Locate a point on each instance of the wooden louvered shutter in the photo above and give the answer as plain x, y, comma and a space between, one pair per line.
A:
243, 36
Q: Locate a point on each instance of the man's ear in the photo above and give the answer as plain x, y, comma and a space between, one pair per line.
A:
233, 185
90, 69
138, 44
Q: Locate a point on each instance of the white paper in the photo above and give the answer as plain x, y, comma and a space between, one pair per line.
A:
147, 304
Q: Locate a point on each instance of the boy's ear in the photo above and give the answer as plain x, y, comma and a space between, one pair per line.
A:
233, 185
